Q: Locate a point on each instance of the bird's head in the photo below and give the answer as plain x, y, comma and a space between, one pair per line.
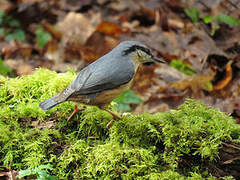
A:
138, 52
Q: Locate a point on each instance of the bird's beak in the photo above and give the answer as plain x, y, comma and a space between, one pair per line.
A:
158, 60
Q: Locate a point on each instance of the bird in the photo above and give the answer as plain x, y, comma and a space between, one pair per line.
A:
102, 81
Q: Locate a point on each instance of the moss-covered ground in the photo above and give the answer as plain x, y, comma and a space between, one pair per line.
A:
146, 146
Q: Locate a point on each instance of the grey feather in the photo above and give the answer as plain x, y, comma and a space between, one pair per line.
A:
108, 72
55, 100
49, 103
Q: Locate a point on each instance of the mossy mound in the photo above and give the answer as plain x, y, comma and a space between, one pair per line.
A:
142, 146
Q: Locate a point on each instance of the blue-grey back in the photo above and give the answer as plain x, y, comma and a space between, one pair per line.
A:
108, 72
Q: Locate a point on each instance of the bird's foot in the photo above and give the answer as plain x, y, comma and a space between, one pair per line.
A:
115, 116
76, 109
109, 124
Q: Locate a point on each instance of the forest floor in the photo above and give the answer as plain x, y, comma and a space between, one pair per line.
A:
199, 41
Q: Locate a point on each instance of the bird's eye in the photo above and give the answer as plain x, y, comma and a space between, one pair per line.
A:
148, 51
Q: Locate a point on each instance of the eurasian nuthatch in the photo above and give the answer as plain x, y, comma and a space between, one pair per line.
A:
106, 78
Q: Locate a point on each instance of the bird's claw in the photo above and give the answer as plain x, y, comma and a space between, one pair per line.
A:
115, 117
76, 109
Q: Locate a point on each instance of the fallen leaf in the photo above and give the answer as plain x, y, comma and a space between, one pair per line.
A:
167, 100
52, 30
175, 5
26, 51
29, 1
75, 5
89, 54
121, 5
109, 28
16, 50
40, 125
170, 74
143, 78
231, 160
196, 82
74, 32
144, 15
175, 23
25, 69
20, 66
76, 25
6, 5
7, 174
98, 45
228, 77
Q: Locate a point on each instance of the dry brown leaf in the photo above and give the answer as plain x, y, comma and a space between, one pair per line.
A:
99, 44
74, 32
76, 25
7, 174
25, 69
170, 99
29, 1
52, 30
73, 5
231, 160
40, 125
145, 15
228, 77
15, 49
109, 28
20, 66
26, 52
196, 82
5, 5
216, 7
170, 74
175, 23
121, 5
143, 78
89, 54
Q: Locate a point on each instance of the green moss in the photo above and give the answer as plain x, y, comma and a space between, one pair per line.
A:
142, 146
21, 148
19, 97
113, 161
72, 159
196, 129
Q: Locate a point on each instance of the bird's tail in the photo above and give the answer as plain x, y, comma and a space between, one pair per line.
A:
55, 100
49, 103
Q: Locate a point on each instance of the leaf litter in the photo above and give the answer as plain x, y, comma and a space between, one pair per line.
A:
83, 31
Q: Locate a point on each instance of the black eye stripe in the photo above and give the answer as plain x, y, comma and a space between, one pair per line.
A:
134, 48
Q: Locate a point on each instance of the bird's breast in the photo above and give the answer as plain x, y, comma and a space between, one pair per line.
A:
103, 98
107, 96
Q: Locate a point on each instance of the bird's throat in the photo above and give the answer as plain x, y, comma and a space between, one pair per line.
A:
136, 61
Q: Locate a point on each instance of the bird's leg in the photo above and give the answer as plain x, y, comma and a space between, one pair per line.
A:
76, 109
109, 124
115, 116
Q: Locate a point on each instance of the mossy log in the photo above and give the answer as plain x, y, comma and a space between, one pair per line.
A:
193, 142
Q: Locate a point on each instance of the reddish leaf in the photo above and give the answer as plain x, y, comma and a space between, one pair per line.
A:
228, 77
109, 28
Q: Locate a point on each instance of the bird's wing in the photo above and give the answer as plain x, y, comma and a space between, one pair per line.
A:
102, 76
